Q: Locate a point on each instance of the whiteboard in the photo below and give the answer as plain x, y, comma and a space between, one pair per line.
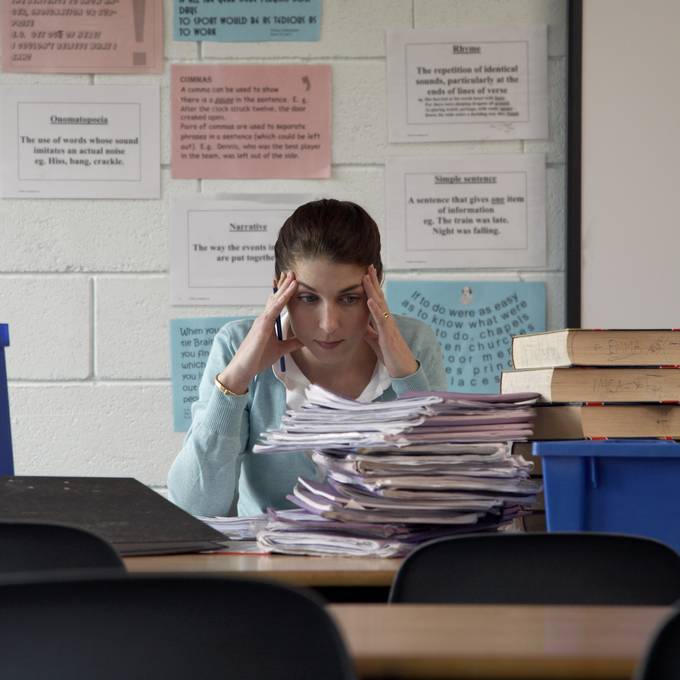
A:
630, 155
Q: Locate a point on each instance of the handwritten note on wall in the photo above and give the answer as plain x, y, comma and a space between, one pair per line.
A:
474, 322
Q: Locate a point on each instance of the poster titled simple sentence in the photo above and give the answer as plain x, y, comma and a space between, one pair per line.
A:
247, 21
467, 83
82, 36
251, 121
80, 141
466, 211
474, 322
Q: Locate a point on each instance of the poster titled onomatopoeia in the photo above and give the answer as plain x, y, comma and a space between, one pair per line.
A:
82, 36
474, 322
79, 141
251, 121
247, 20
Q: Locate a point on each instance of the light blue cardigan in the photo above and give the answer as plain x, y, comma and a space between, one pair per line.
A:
216, 455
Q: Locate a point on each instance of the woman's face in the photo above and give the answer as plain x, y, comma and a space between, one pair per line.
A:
328, 312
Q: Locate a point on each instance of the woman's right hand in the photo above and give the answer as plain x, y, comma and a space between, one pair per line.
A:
261, 348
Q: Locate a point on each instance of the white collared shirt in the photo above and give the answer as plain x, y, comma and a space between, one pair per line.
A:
296, 382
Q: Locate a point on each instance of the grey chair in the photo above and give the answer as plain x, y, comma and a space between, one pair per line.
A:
170, 628
540, 568
661, 660
40, 549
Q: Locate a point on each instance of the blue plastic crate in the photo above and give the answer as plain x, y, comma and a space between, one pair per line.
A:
629, 486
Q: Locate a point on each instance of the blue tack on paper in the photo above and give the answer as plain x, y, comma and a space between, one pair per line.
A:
247, 20
474, 322
190, 343
6, 456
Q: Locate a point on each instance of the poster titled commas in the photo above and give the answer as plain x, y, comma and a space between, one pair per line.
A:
474, 322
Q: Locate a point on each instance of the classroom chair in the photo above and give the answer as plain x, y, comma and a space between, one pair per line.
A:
662, 658
540, 568
170, 628
6, 457
40, 549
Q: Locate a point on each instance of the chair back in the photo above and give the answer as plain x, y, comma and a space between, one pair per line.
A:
540, 568
167, 627
35, 548
6, 457
662, 658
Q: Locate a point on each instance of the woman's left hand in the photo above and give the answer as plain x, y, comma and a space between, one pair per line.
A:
382, 334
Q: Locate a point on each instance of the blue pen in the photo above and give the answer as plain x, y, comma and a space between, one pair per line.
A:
279, 335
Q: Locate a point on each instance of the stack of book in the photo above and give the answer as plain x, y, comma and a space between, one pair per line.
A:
600, 384
394, 474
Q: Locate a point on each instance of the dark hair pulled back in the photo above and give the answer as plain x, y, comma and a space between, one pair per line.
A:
340, 231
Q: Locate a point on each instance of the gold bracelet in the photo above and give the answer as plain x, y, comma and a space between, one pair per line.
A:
225, 390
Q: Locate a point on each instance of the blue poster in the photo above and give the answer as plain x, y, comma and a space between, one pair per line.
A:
190, 342
474, 322
247, 20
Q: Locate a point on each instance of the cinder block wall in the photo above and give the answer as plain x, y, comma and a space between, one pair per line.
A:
84, 283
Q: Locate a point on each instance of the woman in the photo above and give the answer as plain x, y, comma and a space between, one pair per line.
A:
338, 333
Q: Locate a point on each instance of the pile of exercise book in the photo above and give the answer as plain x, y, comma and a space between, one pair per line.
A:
394, 474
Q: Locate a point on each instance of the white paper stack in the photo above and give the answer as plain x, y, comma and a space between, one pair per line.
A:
395, 474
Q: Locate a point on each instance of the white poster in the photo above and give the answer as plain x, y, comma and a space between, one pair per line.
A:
222, 247
466, 212
467, 84
77, 141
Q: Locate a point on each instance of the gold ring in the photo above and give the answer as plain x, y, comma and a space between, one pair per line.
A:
387, 315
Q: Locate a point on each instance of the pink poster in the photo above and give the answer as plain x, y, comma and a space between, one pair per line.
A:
251, 121
82, 36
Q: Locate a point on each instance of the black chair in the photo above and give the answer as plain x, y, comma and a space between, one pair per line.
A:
35, 549
540, 568
662, 658
166, 627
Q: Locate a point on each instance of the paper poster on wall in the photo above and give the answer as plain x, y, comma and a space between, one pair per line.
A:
190, 342
80, 141
222, 247
446, 212
251, 121
467, 84
474, 322
82, 36
231, 21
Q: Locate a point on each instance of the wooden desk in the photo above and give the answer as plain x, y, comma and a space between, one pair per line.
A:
455, 641
299, 571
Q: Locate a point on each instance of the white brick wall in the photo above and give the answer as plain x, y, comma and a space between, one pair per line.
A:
84, 283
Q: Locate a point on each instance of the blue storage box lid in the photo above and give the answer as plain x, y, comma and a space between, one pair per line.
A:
608, 448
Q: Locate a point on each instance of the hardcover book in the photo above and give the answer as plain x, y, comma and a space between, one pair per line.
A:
590, 347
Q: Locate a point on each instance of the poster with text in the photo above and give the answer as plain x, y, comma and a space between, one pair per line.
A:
82, 36
247, 21
467, 84
222, 247
474, 322
445, 212
80, 141
251, 121
190, 342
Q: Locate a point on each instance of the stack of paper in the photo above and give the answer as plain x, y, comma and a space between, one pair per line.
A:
397, 473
